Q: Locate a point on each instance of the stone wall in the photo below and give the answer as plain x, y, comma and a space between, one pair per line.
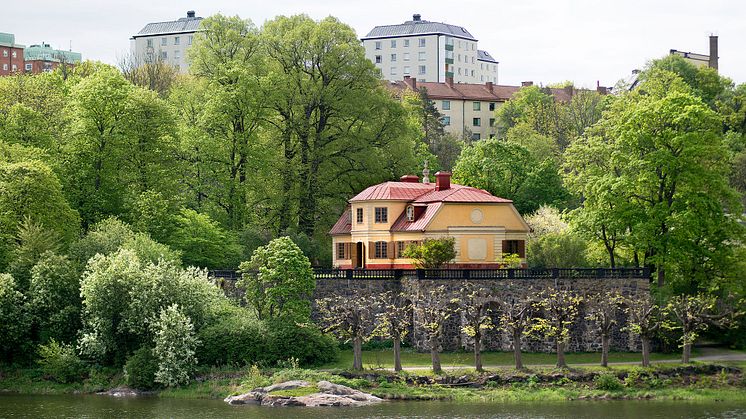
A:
584, 337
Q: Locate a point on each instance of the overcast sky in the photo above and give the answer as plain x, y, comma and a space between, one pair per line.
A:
542, 41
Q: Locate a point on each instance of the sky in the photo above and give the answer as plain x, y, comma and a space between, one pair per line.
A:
547, 41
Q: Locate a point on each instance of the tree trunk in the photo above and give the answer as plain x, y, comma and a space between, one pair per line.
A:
517, 351
645, 351
357, 354
478, 353
397, 354
435, 357
561, 363
686, 353
605, 350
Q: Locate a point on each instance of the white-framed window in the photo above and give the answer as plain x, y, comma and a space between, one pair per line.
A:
446, 105
5, 67
393, 71
382, 215
407, 70
359, 215
423, 42
381, 251
14, 54
421, 56
446, 120
177, 41
410, 213
472, 73
340, 250
400, 247
393, 43
459, 58
5, 53
150, 43
164, 42
422, 70
164, 55
422, 80
29, 66
177, 55
476, 106
406, 42
393, 58
406, 56
472, 60
14, 68
378, 59
378, 44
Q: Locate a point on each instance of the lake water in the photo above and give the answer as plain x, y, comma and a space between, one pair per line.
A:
91, 406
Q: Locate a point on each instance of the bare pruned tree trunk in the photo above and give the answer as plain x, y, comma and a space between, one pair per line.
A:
357, 354
645, 351
605, 341
435, 358
561, 363
397, 354
517, 356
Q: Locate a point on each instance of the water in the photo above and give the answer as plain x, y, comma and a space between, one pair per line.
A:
91, 406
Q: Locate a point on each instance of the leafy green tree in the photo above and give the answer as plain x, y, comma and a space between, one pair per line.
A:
394, 321
203, 242
432, 308
350, 318
14, 321
559, 311
558, 250
54, 298
644, 320
432, 253
278, 281
175, 345
32, 241
602, 311
509, 171
516, 318
476, 313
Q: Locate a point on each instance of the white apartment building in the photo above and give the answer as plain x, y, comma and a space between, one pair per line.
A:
429, 52
168, 41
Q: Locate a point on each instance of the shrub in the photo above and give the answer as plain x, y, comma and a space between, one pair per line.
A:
234, 338
607, 382
140, 369
255, 379
54, 298
14, 321
60, 362
304, 342
175, 345
432, 253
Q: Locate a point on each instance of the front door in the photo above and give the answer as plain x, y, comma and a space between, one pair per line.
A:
360, 255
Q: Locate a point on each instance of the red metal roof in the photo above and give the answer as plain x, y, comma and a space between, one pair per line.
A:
401, 191
343, 225
460, 193
402, 224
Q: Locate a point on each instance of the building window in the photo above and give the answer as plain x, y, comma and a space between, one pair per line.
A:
459, 71
5, 67
164, 41
177, 41
381, 250
340, 250
492, 106
477, 106
472, 73
410, 213
359, 215
406, 69
477, 122
406, 56
459, 58
29, 66
422, 56
378, 44
189, 40
150, 43
492, 122
393, 43
422, 69
476, 136
422, 80
393, 57
14, 54
406, 42
177, 55
15, 67
446, 106
393, 71
513, 247
382, 215
5, 53
378, 59
423, 42
164, 55
400, 246
472, 61
446, 120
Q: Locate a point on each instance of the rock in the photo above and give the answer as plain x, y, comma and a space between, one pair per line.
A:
278, 401
329, 395
340, 390
253, 397
287, 385
123, 391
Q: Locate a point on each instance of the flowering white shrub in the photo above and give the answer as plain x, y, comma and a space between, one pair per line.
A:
175, 345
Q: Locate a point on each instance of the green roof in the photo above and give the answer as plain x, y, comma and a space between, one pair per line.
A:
8, 40
45, 53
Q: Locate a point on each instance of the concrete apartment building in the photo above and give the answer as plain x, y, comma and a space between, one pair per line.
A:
168, 41
11, 54
468, 109
702, 60
428, 52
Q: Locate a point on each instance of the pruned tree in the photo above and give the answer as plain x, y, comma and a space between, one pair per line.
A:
516, 318
645, 321
602, 312
694, 314
394, 321
432, 308
473, 304
350, 318
559, 309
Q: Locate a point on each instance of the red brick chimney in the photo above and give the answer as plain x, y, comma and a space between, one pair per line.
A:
527, 83
442, 181
449, 81
490, 86
411, 82
409, 179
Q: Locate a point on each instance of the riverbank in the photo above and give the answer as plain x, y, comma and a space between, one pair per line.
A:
664, 381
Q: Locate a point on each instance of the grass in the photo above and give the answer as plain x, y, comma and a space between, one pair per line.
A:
296, 392
384, 358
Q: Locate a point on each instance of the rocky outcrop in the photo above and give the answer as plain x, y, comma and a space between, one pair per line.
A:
328, 394
123, 391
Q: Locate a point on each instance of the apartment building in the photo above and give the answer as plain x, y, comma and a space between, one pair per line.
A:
11, 54
40, 58
468, 109
428, 52
168, 41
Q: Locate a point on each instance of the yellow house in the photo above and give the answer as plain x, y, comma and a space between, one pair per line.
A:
381, 221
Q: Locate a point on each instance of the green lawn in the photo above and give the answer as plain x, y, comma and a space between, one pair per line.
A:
384, 358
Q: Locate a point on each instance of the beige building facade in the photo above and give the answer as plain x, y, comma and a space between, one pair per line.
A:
428, 52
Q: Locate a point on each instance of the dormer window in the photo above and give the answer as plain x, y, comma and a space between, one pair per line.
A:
410, 213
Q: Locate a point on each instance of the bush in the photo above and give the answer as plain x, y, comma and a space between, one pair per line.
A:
608, 382
304, 342
175, 345
54, 298
60, 362
234, 338
14, 321
140, 369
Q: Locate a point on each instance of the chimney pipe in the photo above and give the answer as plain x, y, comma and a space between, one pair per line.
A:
489, 86
713, 52
410, 179
416, 17
527, 83
449, 81
190, 13
442, 181
411, 82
